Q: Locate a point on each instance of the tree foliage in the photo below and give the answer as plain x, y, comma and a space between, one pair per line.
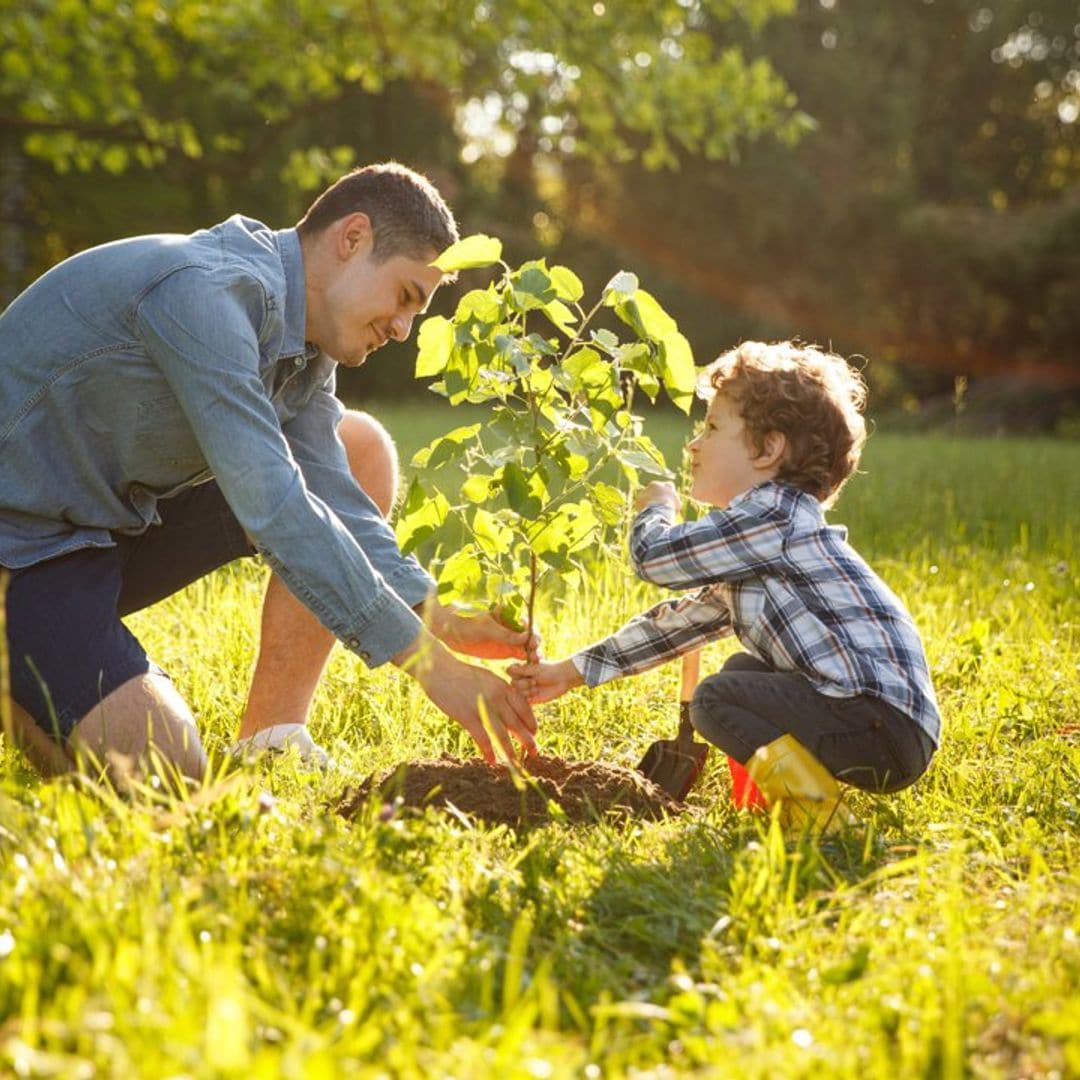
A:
932, 218
96, 82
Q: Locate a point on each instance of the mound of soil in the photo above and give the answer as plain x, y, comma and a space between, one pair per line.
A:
585, 790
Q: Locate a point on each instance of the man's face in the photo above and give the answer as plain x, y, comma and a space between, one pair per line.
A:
365, 303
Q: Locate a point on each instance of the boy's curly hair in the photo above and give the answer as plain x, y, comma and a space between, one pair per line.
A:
814, 398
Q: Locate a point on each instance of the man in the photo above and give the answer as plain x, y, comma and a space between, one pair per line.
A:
167, 405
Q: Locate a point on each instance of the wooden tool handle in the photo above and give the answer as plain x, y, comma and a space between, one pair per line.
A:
691, 668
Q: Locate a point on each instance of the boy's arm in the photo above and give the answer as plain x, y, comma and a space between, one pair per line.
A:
664, 631
744, 540
661, 633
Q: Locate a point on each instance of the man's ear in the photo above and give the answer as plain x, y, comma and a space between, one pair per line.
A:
354, 235
773, 449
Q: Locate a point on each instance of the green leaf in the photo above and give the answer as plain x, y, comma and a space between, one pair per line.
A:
561, 316
461, 373
480, 304
415, 498
541, 345
638, 358
470, 253
479, 487
531, 287
567, 284
679, 373
620, 288
646, 316
491, 534
451, 446
587, 369
605, 339
515, 351
518, 493
435, 342
646, 457
462, 573
539, 380
569, 529
608, 502
513, 611
419, 526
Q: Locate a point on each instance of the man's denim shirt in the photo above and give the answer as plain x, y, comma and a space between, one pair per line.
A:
134, 370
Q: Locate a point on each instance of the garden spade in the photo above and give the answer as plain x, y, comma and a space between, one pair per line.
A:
674, 764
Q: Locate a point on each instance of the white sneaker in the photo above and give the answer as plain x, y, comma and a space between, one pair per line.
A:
279, 738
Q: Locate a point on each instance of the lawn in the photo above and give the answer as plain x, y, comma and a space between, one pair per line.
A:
251, 932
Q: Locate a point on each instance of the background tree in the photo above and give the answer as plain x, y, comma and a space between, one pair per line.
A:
930, 220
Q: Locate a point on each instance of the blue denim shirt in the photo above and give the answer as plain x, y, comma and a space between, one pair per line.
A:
136, 369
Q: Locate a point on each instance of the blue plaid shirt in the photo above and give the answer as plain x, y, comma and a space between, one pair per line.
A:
788, 586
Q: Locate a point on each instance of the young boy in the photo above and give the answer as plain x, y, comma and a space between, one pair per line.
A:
832, 659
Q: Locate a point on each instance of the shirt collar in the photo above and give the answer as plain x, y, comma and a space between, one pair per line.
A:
778, 493
292, 259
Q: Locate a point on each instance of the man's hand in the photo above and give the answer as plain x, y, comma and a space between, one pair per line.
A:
481, 635
465, 692
659, 491
544, 681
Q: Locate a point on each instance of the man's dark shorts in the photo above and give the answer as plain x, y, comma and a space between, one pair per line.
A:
68, 648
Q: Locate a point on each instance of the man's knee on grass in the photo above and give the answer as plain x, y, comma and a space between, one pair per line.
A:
143, 726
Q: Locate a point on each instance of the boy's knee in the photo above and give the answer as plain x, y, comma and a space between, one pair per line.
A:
372, 456
707, 704
719, 718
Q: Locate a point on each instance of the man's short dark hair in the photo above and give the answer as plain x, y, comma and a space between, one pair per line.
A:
408, 215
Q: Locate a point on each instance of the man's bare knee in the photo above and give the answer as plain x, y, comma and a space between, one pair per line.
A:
373, 458
143, 720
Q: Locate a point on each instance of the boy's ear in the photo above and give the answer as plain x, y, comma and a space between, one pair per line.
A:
773, 448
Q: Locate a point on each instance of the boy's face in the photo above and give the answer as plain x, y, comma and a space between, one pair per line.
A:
724, 462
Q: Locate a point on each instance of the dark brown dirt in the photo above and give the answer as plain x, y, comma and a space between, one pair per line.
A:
585, 790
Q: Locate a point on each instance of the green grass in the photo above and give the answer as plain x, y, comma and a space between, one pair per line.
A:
245, 935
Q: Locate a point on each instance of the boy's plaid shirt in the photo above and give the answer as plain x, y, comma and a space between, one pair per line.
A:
791, 589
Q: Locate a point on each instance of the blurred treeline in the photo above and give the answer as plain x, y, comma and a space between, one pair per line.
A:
897, 180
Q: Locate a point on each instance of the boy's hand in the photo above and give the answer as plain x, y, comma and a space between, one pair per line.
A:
659, 491
544, 681
482, 635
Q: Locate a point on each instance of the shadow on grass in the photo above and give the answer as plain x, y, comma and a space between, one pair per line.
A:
614, 913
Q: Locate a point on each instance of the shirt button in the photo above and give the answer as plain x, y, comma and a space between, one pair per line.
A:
353, 643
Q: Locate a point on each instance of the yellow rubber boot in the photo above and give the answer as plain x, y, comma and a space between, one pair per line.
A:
808, 793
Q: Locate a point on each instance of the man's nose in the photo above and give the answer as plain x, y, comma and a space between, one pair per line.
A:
400, 326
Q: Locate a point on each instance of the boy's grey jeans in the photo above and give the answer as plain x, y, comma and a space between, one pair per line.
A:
862, 741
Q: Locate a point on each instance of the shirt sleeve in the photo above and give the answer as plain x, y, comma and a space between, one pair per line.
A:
313, 439
665, 631
201, 327
745, 540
